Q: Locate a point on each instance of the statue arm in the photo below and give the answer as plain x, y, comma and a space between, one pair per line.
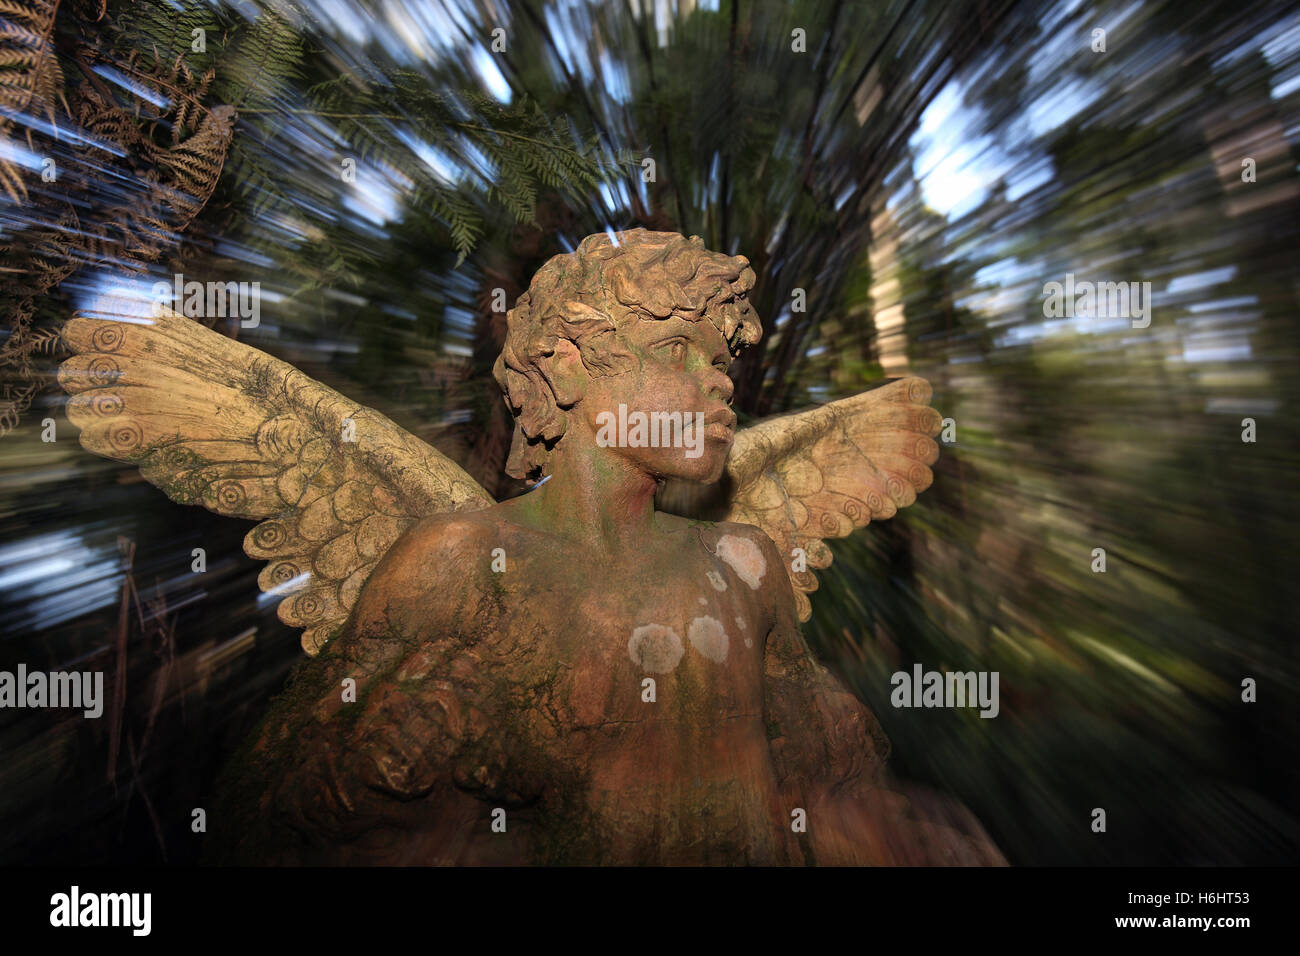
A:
829, 753
825, 742
373, 770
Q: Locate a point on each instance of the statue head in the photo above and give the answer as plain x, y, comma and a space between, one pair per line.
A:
610, 310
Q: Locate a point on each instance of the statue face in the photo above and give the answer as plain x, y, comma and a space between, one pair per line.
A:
669, 414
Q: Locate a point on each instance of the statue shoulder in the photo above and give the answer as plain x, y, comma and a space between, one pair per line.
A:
435, 570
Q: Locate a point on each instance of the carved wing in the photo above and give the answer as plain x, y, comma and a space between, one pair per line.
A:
217, 423
819, 474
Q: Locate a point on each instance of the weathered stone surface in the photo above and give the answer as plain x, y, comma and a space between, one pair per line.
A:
570, 676
614, 684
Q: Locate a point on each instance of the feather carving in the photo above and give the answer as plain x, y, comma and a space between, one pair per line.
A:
811, 476
217, 423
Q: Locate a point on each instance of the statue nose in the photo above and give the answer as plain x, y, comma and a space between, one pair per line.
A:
721, 386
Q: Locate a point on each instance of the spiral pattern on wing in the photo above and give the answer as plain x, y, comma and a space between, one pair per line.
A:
230, 494
108, 338
104, 371
307, 608
106, 406
125, 437
269, 535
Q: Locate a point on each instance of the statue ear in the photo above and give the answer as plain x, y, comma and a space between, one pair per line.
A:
565, 373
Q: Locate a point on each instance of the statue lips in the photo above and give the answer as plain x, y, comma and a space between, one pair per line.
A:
721, 425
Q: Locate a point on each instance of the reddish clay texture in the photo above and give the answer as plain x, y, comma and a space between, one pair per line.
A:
572, 677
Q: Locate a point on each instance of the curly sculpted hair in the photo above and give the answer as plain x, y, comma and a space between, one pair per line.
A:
586, 295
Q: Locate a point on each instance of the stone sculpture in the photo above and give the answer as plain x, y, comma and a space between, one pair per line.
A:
569, 676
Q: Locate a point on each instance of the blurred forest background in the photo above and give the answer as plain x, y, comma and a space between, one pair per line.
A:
919, 169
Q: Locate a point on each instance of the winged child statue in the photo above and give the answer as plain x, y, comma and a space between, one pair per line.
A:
569, 676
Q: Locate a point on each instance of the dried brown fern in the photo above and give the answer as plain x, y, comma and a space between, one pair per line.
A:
29, 73
141, 195
195, 164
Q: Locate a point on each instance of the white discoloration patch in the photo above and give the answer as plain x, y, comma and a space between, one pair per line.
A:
748, 642
740, 622
708, 637
655, 648
704, 602
716, 579
744, 557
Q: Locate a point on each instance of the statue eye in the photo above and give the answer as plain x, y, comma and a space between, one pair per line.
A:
676, 350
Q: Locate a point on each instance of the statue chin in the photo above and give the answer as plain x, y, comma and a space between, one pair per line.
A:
705, 472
